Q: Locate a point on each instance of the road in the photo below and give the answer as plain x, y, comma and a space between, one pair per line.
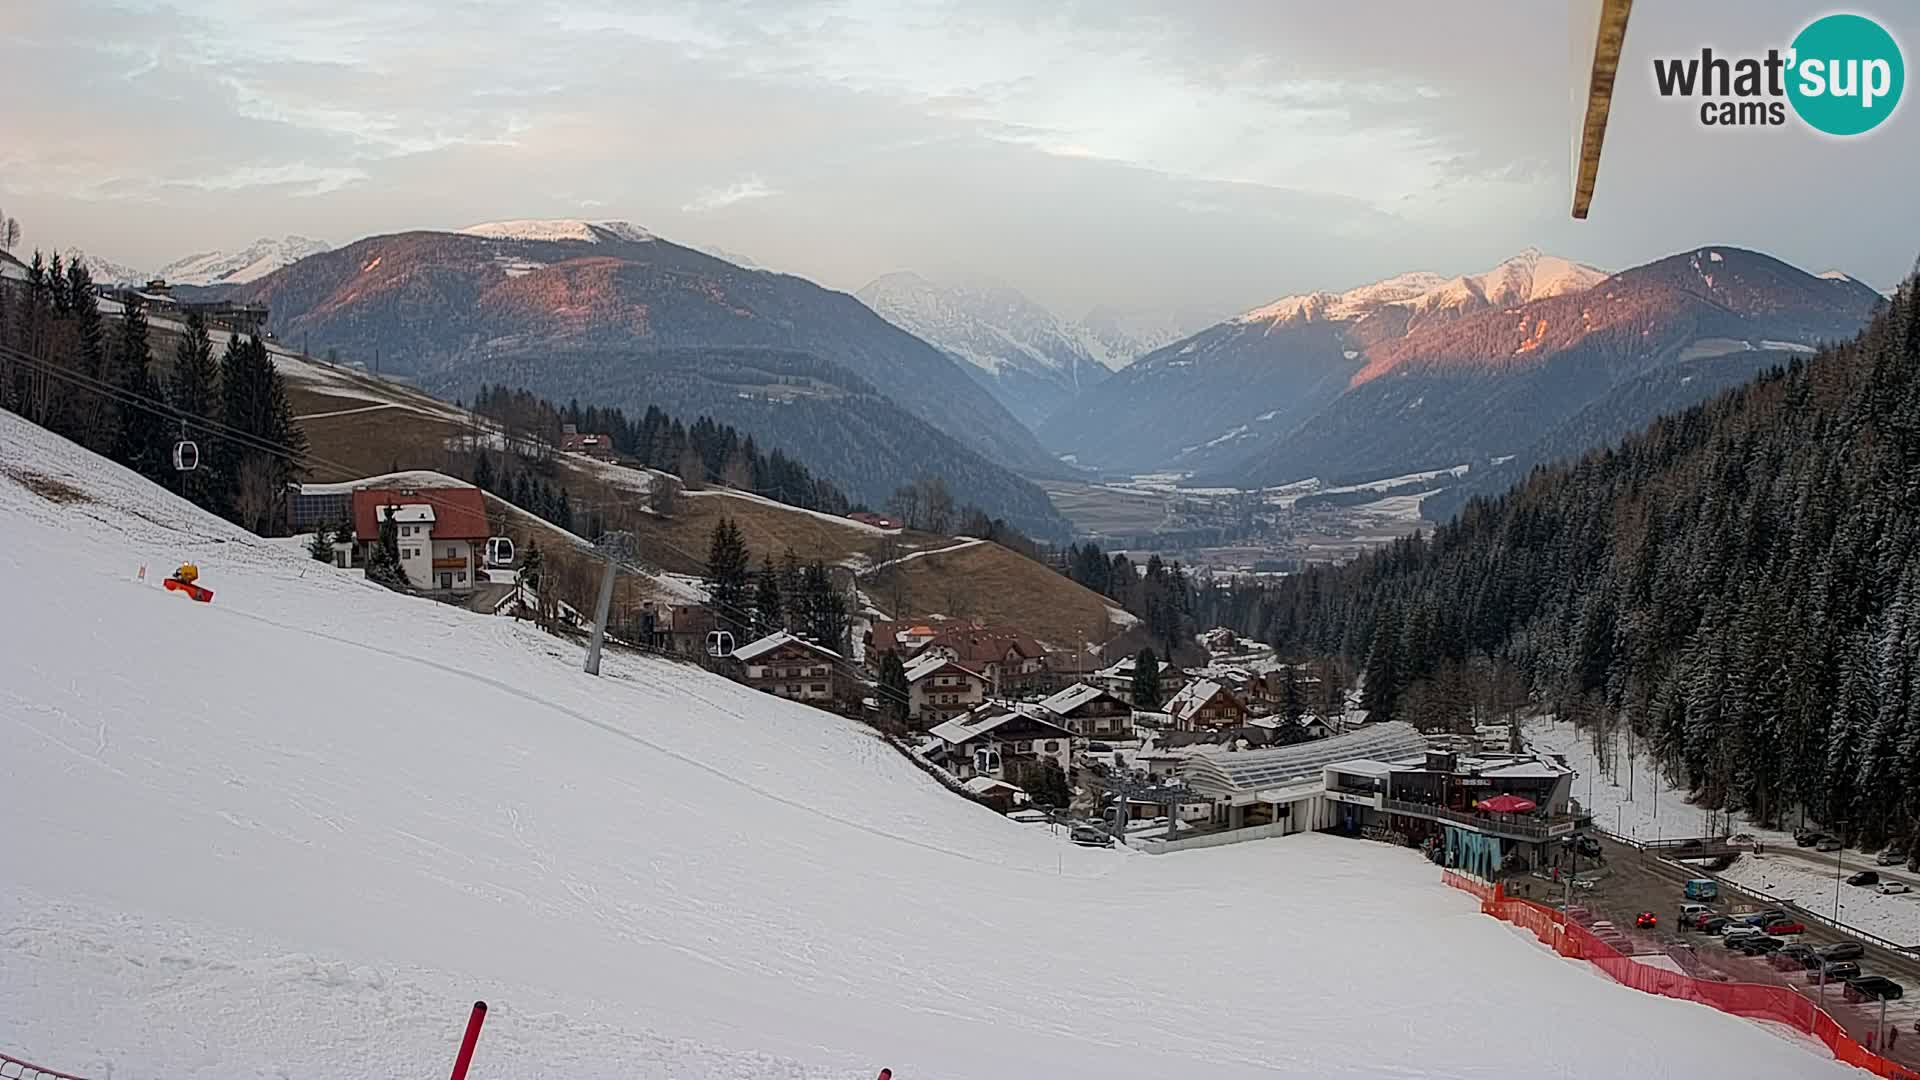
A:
1850, 861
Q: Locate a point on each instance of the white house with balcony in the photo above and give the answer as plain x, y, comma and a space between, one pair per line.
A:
939, 689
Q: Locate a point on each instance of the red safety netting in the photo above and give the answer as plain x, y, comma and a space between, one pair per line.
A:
1776, 1003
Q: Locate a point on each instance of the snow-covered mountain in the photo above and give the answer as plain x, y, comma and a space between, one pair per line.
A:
556, 229
106, 271
212, 872
1423, 295
256, 260
1419, 371
1117, 337
1028, 357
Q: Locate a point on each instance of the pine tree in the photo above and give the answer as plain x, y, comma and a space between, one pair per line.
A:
194, 391
895, 692
769, 611
383, 556
141, 442
321, 546
826, 609
483, 471
532, 576
728, 568
1146, 680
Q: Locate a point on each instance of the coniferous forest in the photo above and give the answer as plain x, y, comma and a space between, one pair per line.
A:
1739, 584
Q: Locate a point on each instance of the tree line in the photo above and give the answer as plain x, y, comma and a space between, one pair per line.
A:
67, 370
797, 597
1160, 594
699, 453
1737, 586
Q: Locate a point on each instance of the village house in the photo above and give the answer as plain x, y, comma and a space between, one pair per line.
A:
796, 669
1206, 704
939, 690
995, 794
1090, 712
1117, 679
992, 739
442, 532
593, 446
1013, 663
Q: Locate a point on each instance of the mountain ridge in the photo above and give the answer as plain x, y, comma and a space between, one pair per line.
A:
1415, 371
433, 301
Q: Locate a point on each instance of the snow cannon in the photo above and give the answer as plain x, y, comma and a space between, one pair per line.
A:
187, 580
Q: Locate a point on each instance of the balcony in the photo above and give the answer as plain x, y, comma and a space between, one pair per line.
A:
1519, 826
449, 564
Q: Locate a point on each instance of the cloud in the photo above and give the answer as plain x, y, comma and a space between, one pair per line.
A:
1207, 153
711, 199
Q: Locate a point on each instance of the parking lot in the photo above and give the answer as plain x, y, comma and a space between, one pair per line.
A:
1627, 881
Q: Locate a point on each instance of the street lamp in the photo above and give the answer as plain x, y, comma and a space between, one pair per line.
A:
1839, 853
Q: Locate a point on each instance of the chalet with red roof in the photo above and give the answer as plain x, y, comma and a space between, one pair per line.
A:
442, 532
573, 441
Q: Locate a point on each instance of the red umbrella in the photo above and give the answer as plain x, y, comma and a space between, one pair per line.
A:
1507, 804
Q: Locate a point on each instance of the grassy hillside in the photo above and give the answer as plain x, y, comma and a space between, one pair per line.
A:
986, 581
364, 426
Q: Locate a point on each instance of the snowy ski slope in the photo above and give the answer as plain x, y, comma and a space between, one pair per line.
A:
296, 831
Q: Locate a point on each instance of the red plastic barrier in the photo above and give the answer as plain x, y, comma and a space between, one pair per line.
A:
1760, 1002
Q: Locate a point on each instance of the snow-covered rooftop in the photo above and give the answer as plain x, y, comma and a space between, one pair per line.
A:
1250, 770
1065, 701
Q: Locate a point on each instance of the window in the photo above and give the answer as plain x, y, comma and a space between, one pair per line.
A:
461, 577
451, 555
1053, 746
819, 688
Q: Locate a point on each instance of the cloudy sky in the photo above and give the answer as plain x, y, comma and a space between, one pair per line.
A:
1193, 155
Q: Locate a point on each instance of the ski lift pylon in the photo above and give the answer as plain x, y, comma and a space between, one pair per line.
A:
719, 643
186, 455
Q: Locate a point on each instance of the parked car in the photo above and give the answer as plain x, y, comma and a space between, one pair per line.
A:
1827, 843
1715, 924
1842, 950
1690, 915
1761, 945
1783, 927
1892, 856
1873, 988
1762, 918
1808, 837
1598, 925
1099, 748
1703, 889
1587, 845
1864, 877
1736, 933
1090, 836
1793, 957
1837, 971
1893, 888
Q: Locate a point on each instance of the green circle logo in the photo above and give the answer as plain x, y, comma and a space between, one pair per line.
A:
1847, 74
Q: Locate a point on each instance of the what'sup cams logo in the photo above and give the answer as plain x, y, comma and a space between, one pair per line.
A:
1842, 75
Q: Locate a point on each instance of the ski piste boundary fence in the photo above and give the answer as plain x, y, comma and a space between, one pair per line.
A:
1751, 1000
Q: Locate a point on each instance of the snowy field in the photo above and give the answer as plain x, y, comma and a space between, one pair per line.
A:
1625, 801
295, 832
